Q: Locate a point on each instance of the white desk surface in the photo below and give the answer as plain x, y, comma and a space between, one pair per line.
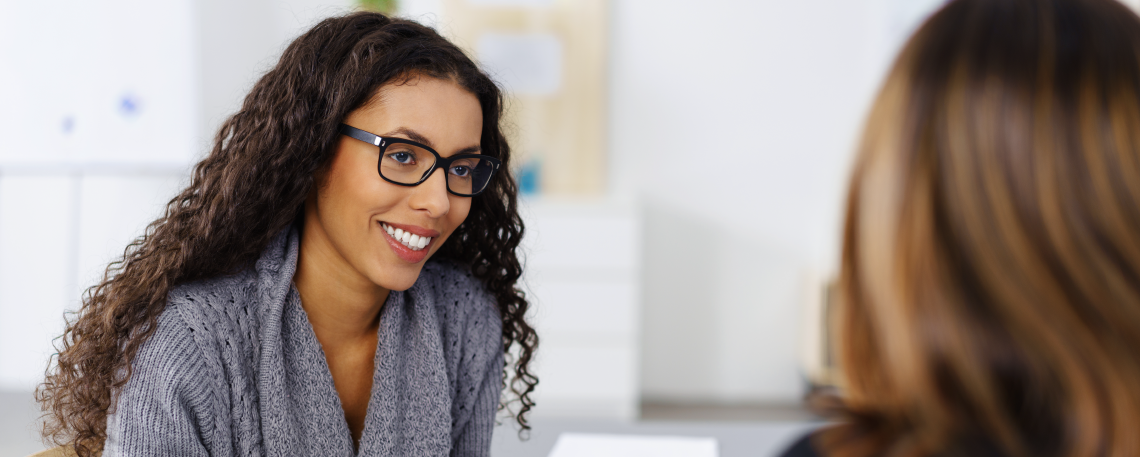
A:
734, 439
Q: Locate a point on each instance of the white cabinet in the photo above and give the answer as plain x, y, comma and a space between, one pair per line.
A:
582, 274
57, 234
36, 221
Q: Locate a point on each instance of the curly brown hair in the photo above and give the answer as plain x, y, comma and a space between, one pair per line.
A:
253, 184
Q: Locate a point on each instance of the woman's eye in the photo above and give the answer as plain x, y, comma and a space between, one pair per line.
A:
461, 171
401, 157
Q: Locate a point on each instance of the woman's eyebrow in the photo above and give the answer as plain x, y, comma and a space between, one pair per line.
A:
415, 136
411, 134
469, 150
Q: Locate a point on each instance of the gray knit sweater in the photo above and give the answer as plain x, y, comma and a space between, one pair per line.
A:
234, 369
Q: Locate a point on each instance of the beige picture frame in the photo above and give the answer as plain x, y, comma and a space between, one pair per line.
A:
559, 137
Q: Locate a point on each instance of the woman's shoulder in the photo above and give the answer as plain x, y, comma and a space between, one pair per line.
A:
170, 361
461, 298
213, 287
802, 447
450, 274
172, 339
450, 280
192, 322
977, 446
220, 313
225, 297
173, 375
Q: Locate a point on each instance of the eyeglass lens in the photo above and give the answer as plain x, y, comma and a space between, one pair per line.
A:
408, 164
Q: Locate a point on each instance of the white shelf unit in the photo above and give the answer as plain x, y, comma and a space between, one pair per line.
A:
582, 274
60, 225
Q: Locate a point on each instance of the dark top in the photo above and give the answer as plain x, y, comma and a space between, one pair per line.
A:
977, 447
801, 448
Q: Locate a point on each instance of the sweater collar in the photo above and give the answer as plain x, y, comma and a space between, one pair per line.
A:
409, 409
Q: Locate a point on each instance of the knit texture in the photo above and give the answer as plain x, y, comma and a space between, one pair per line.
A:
234, 369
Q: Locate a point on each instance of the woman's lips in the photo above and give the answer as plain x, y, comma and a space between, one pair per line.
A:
409, 242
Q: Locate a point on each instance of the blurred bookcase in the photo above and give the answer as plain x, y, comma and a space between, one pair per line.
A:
550, 56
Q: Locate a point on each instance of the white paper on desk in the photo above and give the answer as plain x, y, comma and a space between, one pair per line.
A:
591, 445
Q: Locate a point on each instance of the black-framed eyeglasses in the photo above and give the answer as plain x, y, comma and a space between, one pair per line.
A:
409, 163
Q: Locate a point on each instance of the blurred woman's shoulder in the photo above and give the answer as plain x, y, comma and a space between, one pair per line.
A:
802, 447
805, 446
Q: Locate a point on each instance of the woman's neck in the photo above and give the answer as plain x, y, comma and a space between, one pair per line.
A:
344, 309
343, 306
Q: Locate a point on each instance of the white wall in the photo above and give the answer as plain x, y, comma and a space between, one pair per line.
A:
734, 123
96, 82
239, 40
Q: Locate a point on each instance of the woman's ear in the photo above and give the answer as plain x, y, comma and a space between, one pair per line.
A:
321, 175
320, 181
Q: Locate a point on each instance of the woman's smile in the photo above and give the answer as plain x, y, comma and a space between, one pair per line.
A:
411, 243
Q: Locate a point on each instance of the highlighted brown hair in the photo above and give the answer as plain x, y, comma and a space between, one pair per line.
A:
990, 283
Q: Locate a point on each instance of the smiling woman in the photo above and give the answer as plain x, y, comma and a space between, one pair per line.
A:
338, 278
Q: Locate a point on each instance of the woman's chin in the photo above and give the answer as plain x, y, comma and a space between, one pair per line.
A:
397, 279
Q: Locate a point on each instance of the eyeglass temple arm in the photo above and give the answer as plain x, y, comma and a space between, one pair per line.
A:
361, 135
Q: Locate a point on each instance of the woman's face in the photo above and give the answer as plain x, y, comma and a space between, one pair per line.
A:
354, 208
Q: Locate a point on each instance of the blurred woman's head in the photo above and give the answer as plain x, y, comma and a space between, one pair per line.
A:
267, 159
990, 279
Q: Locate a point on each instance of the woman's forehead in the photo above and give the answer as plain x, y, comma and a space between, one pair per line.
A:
441, 111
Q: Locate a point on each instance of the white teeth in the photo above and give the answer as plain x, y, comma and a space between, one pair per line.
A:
413, 242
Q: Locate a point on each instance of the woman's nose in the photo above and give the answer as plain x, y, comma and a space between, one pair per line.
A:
431, 195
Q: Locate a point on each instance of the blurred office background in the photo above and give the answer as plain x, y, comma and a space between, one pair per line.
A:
684, 164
